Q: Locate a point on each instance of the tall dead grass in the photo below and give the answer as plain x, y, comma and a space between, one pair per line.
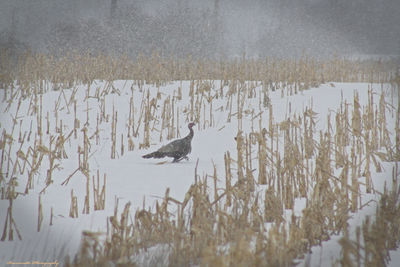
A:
251, 221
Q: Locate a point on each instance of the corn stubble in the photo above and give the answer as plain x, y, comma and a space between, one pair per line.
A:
376, 236
244, 223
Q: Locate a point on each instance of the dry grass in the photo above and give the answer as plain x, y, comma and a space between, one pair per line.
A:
246, 222
378, 235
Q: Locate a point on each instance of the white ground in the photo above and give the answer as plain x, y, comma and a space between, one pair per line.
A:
131, 178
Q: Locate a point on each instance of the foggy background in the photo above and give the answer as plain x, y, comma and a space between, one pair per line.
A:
207, 28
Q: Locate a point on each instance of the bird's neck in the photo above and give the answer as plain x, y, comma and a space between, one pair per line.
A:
191, 133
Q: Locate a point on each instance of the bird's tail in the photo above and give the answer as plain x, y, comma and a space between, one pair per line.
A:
155, 154
147, 156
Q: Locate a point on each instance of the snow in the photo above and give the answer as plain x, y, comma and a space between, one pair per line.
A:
130, 178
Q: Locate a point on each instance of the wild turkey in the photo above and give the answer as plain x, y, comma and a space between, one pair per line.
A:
177, 149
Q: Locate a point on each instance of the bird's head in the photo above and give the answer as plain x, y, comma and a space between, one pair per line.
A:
191, 125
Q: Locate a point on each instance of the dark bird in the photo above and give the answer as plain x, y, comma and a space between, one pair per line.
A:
177, 149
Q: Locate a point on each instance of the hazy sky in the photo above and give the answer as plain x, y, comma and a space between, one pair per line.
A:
258, 27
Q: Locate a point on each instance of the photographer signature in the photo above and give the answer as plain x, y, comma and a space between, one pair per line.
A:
41, 263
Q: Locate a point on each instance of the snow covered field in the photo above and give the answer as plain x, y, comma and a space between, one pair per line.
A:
78, 143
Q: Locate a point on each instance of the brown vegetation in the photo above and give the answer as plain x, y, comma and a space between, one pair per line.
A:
244, 223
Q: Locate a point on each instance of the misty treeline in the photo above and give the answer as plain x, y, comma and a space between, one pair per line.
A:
208, 28
178, 30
